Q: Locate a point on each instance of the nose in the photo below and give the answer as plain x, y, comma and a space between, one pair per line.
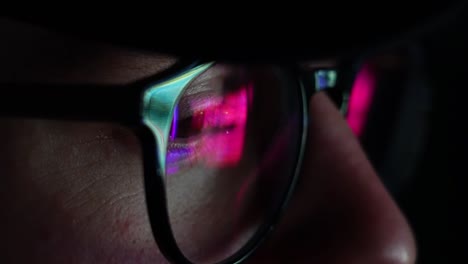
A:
340, 212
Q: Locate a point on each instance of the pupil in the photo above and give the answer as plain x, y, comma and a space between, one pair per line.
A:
189, 126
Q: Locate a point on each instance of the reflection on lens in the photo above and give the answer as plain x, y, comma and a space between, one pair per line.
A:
360, 100
232, 151
211, 122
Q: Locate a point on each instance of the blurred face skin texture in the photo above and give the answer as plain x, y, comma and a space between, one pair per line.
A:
73, 192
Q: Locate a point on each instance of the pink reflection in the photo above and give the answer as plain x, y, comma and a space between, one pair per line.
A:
224, 146
360, 100
219, 124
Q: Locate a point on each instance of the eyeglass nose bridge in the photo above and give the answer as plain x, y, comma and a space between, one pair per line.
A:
159, 103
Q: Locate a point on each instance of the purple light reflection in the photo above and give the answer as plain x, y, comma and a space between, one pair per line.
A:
219, 122
175, 155
174, 123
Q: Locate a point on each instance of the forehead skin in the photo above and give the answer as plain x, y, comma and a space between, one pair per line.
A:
30, 53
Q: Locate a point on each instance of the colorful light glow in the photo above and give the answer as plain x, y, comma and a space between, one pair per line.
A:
221, 124
174, 123
325, 79
224, 147
360, 100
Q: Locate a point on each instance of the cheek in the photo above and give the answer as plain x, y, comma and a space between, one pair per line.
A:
72, 191
207, 212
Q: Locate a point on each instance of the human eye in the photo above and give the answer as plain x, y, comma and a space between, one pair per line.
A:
231, 155
211, 113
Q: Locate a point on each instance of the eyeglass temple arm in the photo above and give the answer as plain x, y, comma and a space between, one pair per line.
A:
71, 102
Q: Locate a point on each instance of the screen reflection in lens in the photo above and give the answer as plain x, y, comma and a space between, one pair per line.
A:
231, 155
222, 121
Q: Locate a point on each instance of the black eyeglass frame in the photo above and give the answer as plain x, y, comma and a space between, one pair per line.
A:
123, 104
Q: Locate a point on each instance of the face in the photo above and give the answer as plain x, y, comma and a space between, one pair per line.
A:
73, 192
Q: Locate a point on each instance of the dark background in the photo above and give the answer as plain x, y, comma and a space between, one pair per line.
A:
436, 202
425, 167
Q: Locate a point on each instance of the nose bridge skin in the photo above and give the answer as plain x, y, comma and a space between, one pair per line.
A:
340, 212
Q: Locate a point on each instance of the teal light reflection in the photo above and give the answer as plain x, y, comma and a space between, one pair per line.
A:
325, 79
159, 102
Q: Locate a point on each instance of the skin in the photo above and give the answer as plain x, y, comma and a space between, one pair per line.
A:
73, 192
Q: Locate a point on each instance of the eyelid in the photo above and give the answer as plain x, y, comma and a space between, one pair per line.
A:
199, 101
202, 92
204, 82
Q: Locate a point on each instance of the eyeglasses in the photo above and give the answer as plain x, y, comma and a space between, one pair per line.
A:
222, 145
